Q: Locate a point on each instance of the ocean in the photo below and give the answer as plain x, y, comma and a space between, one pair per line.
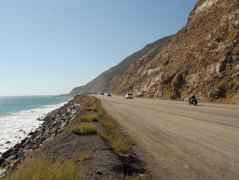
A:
19, 116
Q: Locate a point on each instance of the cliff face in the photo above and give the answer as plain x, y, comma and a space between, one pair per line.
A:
107, 81
202, 58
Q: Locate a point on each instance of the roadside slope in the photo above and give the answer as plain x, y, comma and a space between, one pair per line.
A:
180, 141
76, 141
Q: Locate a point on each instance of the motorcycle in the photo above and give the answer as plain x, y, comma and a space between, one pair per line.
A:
193, 101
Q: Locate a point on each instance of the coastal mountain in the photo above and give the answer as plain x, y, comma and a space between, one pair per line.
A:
202, 59
106, 82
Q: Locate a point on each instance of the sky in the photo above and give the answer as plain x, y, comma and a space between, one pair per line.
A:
47, 47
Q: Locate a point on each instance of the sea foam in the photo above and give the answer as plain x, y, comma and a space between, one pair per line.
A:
17, 126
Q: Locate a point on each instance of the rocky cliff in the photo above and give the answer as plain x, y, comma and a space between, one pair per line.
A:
107, 81
202, 58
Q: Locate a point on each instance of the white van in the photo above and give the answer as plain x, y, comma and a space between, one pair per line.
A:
129, 96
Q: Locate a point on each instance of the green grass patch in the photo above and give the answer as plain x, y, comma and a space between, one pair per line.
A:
89, 117
43, 168
83, 129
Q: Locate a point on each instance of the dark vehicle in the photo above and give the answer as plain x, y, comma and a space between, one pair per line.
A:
193, 101
109, 94
102, 93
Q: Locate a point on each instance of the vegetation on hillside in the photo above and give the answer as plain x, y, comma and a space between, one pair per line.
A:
43, 168
91, 120
83, 129
109, 130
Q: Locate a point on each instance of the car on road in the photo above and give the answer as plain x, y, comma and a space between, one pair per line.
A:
102, 93
109, 94
129, 96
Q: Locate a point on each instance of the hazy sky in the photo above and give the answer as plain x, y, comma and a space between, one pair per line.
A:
51, 46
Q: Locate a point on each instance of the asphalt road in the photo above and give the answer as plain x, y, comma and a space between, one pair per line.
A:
179, 141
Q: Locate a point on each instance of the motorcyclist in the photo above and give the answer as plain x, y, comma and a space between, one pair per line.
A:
193, 100
193, 97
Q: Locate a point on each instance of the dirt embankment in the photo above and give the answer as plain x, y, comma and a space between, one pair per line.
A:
105, 153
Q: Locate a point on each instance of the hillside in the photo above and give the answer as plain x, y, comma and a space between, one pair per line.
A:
202, 58
107, 80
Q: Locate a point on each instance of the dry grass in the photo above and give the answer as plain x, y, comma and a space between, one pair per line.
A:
43, 168
108, 121
120, 143
111, 131
114, 135
89, 117
83, 129
90, 104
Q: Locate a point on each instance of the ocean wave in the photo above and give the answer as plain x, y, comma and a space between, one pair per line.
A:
15, 127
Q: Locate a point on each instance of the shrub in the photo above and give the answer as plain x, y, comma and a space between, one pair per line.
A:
119, 142
89, 117
90, 104
114, 135
83, 129
107, 121
42, 168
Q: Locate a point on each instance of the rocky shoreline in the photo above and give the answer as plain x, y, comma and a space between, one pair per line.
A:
54, 140
53, 124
